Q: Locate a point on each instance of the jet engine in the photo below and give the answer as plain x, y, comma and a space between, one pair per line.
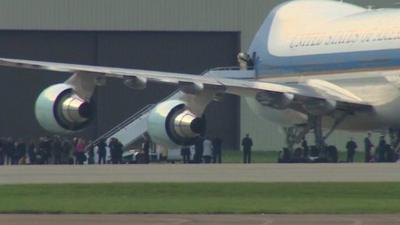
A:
320, 107
59, 109
173, 123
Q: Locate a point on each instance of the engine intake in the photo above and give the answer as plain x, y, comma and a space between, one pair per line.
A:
59, 109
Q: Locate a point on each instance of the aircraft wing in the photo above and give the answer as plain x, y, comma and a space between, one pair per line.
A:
316, 90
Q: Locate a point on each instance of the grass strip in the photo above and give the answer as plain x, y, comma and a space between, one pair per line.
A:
293, 198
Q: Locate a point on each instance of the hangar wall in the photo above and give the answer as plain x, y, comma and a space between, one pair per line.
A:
164, 51
158, 15
145, 15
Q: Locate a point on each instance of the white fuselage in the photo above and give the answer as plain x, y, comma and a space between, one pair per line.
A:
348, 46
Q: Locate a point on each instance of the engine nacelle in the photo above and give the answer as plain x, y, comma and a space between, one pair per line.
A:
275, 100
58, 109
319, 107
172, 123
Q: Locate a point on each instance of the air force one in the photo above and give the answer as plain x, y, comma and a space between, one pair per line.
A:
314, 65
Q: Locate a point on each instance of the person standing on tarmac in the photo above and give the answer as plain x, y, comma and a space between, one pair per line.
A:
185, 153
80, 147
306, 149
146, 149
351, 147
381, 149
56, 150
102, 151
90, 152
207, 150
247, 143
198, 150
368, 148
217, 150
115, 150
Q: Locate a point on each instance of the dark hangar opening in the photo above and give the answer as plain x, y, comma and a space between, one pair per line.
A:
187, 52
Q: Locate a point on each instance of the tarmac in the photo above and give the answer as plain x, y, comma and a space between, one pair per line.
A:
147, 219
346, 172
200, 173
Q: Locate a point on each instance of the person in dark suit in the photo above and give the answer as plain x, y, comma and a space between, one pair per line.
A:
115, 150
32, 152
90, 153
57, 150
66, 151
102, 151
198, 150
146, 149
381, 149
217, 150
45, 149
306, 149
20, 152
9, 151
368, 148
247, 143
351, 147
185, 153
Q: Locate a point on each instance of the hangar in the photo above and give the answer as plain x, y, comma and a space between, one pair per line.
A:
176, 35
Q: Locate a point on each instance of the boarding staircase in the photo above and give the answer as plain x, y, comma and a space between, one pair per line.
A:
131, 129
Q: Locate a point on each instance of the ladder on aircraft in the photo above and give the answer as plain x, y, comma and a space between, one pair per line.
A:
131, 129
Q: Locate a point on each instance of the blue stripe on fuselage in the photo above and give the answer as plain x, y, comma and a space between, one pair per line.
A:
322, 63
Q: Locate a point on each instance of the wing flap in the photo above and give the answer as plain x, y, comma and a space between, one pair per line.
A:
314, 90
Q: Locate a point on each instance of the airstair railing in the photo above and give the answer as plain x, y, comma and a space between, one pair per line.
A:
123, 124
128, 121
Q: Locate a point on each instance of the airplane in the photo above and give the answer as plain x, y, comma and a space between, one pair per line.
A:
314, 65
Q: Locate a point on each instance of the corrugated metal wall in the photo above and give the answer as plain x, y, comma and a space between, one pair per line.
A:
136, 15
149, 15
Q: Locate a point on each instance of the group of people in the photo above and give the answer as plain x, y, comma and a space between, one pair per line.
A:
116, 150
62, 150
45, 150
58, 150
205, 150
383, 152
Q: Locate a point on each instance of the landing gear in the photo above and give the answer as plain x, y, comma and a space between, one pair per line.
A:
316, 124
295, 134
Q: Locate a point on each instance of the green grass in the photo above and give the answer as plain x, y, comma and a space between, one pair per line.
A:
272, 156
296, 198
